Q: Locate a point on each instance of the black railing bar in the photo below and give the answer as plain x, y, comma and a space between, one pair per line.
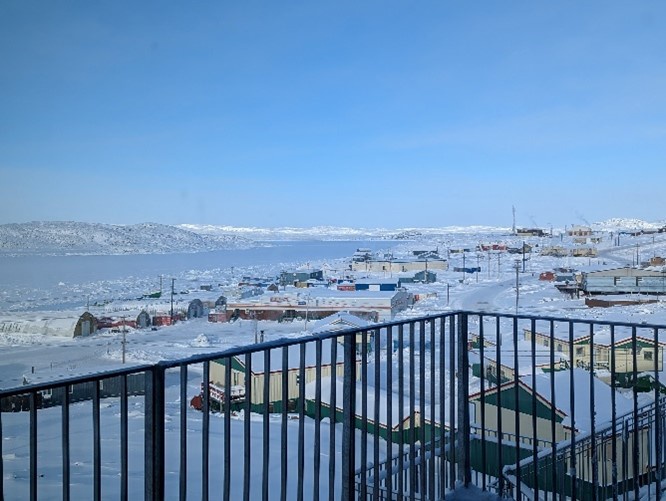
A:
634, 360
463, 402
154, 439
378, 385
517, 400
534, 402
205, 432
226, 461
33, 447
422, 396
317, 419
553, 404
401, 404
389, 400
613, 420
266, 430
483, 375
182, 482
284, 469
498, 343
65, 428
301, 419
247, 409
364, 411
657, 416
349, 417
572, 365
453, 347
2, 465
333, 419
593, 441
97, 444
442, 400
433, 437
412, 411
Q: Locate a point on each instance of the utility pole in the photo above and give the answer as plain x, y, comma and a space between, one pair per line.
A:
638, 261
447, 294
463, 269
513, 226
499, 255
488, 265
124, 341
478, 266
173, 281
517, 267
523, 256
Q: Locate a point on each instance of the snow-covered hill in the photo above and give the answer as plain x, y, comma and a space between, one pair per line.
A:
337, 233
67, 237
626, 224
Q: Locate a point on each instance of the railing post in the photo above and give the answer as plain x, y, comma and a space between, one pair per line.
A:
348, 419
463, 424
154, 433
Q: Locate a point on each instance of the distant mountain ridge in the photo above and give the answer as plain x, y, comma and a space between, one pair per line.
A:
336, 232
626, 224
69, 237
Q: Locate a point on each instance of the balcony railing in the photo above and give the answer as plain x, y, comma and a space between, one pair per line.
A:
391, 412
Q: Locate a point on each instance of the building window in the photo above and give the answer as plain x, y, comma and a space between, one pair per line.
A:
647, 355
579, 350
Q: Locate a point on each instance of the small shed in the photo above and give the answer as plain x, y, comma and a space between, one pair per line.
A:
143, 320
195, 309
60, 324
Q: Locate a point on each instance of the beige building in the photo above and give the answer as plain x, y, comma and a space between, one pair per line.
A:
390, 266
502, 400
274, 376
622, 351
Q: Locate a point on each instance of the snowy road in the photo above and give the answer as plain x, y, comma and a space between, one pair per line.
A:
484, 298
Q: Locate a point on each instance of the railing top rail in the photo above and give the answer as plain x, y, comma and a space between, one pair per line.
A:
65, 381
582, 321
285, 342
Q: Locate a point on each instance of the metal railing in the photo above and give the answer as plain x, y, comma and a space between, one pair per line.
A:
402, 410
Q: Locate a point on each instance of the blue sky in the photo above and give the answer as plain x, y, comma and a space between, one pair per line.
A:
371, 114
